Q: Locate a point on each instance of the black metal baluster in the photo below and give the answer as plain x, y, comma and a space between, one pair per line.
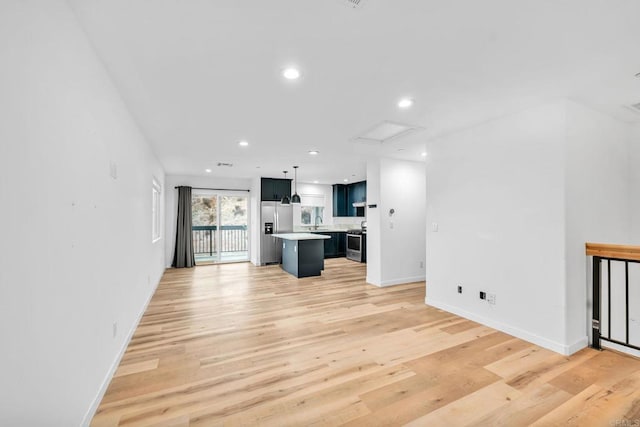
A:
609, 298
626, 296
595, 319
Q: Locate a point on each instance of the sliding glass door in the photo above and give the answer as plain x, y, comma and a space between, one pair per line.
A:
234, 234
220, 227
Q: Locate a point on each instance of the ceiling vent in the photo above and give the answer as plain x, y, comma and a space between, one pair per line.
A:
229, 165
385, 132
354, 4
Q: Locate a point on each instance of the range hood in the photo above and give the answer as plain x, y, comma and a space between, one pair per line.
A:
360, 204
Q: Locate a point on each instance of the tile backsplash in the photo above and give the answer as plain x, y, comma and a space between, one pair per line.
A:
348, 220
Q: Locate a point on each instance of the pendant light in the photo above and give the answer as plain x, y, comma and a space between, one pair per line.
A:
285, 198
295, 198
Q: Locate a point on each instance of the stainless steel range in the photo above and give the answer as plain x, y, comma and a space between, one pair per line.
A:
357, 243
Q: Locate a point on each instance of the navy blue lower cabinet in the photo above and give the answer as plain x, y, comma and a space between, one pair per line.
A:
341, 243
330, 246
336, 246
303, 258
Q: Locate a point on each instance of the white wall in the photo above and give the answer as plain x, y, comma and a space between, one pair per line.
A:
255, 232
634, 187
76, 254
395, 244
201, 182
516, 199
374, 238
598, 206
631, 237
496, 193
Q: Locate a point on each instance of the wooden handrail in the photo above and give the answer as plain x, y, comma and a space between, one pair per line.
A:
607, 250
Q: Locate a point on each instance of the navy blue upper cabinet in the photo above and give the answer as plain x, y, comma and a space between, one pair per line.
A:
273, 189
356, 193
344, 196
340, 200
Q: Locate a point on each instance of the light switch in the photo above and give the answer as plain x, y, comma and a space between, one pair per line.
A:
434, 227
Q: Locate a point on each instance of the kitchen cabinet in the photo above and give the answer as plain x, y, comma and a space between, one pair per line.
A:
336, 246
341, 240
274, 189
344, 196
340, 200
330, 246
302, 254
356, 193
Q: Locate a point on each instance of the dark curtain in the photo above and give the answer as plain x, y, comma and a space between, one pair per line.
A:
183, 254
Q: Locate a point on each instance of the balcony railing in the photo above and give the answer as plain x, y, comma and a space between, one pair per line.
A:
233, 238
610, 321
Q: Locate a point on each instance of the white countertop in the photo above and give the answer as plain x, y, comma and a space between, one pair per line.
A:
322, 229
301, 236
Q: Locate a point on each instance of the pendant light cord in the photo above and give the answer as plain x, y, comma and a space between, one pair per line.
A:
296, 197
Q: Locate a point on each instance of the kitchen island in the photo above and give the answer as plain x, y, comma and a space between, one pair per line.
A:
302, 253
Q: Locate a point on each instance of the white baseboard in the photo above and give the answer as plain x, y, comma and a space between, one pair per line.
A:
561, 348
620, 348
577, 346
401, 281
112, 370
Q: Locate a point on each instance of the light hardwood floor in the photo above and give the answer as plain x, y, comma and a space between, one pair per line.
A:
242, 345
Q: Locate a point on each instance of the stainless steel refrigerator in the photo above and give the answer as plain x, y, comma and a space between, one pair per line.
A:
274, 218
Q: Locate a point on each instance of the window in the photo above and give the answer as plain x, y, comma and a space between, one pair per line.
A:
311, 209
155, 211
311, 215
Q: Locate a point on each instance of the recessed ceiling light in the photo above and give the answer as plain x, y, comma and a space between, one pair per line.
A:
291, 73
314, 152
243, 143
346, 180
207, 170
315, 182
405, 103
424, 154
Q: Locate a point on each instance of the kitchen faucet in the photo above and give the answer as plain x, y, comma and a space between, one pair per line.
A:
315, 225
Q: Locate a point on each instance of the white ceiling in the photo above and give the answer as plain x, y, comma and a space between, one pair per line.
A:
200, 75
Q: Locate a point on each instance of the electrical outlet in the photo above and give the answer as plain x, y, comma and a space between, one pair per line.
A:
115, 329
483, 295
491, 298
459, 289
